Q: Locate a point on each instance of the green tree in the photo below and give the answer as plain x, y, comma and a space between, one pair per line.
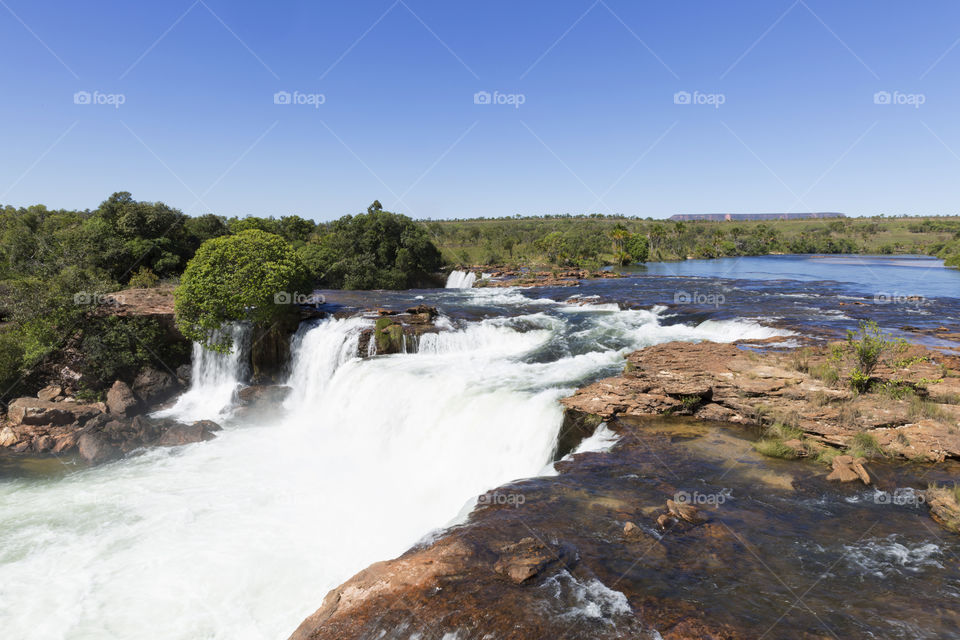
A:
251, 276
373, 250
637, 247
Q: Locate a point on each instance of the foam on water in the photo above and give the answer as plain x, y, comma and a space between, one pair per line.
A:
885, 556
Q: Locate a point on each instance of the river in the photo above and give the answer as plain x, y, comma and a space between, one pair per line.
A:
242, 536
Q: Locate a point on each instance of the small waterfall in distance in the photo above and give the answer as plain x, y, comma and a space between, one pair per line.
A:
461, 279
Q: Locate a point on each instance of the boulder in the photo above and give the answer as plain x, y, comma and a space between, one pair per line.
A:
65, 442
33, 411
43, 444
686, 512
263, 395
50, 393
152, 386
180, 434
120, 399
8, 437
848, 469
944, 507
529, 557
422, 314
95, 448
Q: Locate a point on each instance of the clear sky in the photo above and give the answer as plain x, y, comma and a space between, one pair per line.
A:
583, 114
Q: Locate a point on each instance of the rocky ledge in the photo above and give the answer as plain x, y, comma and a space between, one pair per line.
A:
397, 332
913, 413
56, 424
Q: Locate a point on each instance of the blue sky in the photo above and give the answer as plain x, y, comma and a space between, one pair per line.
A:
599, 129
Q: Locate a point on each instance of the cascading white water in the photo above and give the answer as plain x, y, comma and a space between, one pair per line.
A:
461, 279
214, 379
241, 537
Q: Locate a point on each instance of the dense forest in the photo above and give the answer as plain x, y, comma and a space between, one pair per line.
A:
591, 241
56, 265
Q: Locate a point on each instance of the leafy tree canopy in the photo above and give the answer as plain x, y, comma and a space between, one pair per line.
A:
373, 250
252, 275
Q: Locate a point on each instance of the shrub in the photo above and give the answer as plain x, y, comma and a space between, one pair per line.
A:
864, 445
144, 278
867, 346
825, 373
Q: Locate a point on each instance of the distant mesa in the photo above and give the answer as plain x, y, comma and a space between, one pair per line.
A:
721, 217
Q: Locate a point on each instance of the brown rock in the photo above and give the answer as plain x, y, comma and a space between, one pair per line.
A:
95, 448
8, 437
33, 411
528, 558
50, 393
152, 386
271, 395
180, 434
799, 450
43, 444
686, 512
65, 443
944, 508
422, 309
120, 399
848, 469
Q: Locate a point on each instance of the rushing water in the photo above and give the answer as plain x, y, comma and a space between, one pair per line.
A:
215, 378
461, 279
242, 536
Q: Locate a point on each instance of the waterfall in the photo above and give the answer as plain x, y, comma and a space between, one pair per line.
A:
241, 537
461, 279
214, 379
317, 351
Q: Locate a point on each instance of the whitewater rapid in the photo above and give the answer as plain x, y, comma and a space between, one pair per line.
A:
241, 537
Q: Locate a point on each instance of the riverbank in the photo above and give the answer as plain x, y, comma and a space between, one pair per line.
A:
594, 552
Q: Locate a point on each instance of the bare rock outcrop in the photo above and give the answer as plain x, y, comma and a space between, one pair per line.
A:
728, 383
